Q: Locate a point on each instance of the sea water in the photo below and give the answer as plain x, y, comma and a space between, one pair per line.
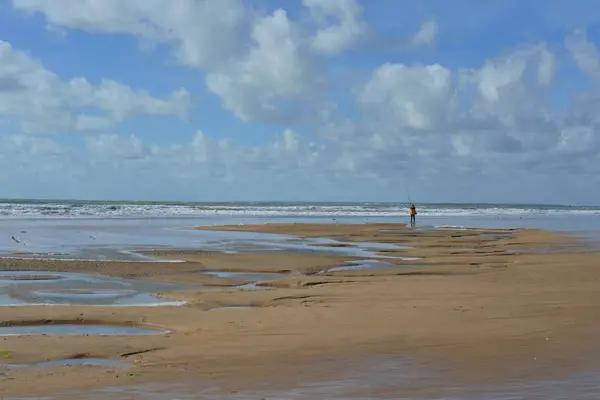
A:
112, 230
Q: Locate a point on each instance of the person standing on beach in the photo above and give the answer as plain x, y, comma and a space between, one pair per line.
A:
413, 214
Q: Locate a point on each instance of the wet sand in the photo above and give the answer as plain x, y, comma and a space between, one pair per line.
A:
478, 305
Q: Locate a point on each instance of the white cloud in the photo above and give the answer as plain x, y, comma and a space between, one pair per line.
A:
584, 52
28, 145
190, 25
42, 102
412, 97
546, 68
578, 140
292, 152
443, 122
506, 92
427, 33
125, 160
116, 147
274, 70
121, 101
433, 119
502, 73
585, 110
260, 66
350, 29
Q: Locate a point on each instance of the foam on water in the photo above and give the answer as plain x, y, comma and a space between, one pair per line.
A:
95, 209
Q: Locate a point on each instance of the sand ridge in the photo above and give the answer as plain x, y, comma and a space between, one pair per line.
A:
505, 308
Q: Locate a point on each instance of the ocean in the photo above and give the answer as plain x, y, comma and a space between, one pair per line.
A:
13, 208
152, 219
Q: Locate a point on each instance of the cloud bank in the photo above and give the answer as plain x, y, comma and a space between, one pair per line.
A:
354, 122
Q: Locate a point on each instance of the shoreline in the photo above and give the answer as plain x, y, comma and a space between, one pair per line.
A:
491, 299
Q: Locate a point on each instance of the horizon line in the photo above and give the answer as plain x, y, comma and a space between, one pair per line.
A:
166, 202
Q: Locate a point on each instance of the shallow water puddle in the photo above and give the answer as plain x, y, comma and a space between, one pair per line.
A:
359, 265
21, 288
248, 276
252, 286
290, 243
100, 362
76, 329
351, 249
28, 278
254, 279
85, 293
401, 258
378, 245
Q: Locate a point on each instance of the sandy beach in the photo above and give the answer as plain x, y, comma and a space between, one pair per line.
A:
474, 304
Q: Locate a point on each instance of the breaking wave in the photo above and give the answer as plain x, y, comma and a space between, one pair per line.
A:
85, 209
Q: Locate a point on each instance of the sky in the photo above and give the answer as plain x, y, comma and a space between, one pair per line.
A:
308, 100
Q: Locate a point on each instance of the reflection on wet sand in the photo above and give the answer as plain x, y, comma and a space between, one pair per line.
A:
369, 379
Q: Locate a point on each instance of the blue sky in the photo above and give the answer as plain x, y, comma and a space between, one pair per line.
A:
300, 100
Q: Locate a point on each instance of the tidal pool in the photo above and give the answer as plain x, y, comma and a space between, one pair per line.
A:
76, 329
22, 288
359, 265
248, 276
100, 362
